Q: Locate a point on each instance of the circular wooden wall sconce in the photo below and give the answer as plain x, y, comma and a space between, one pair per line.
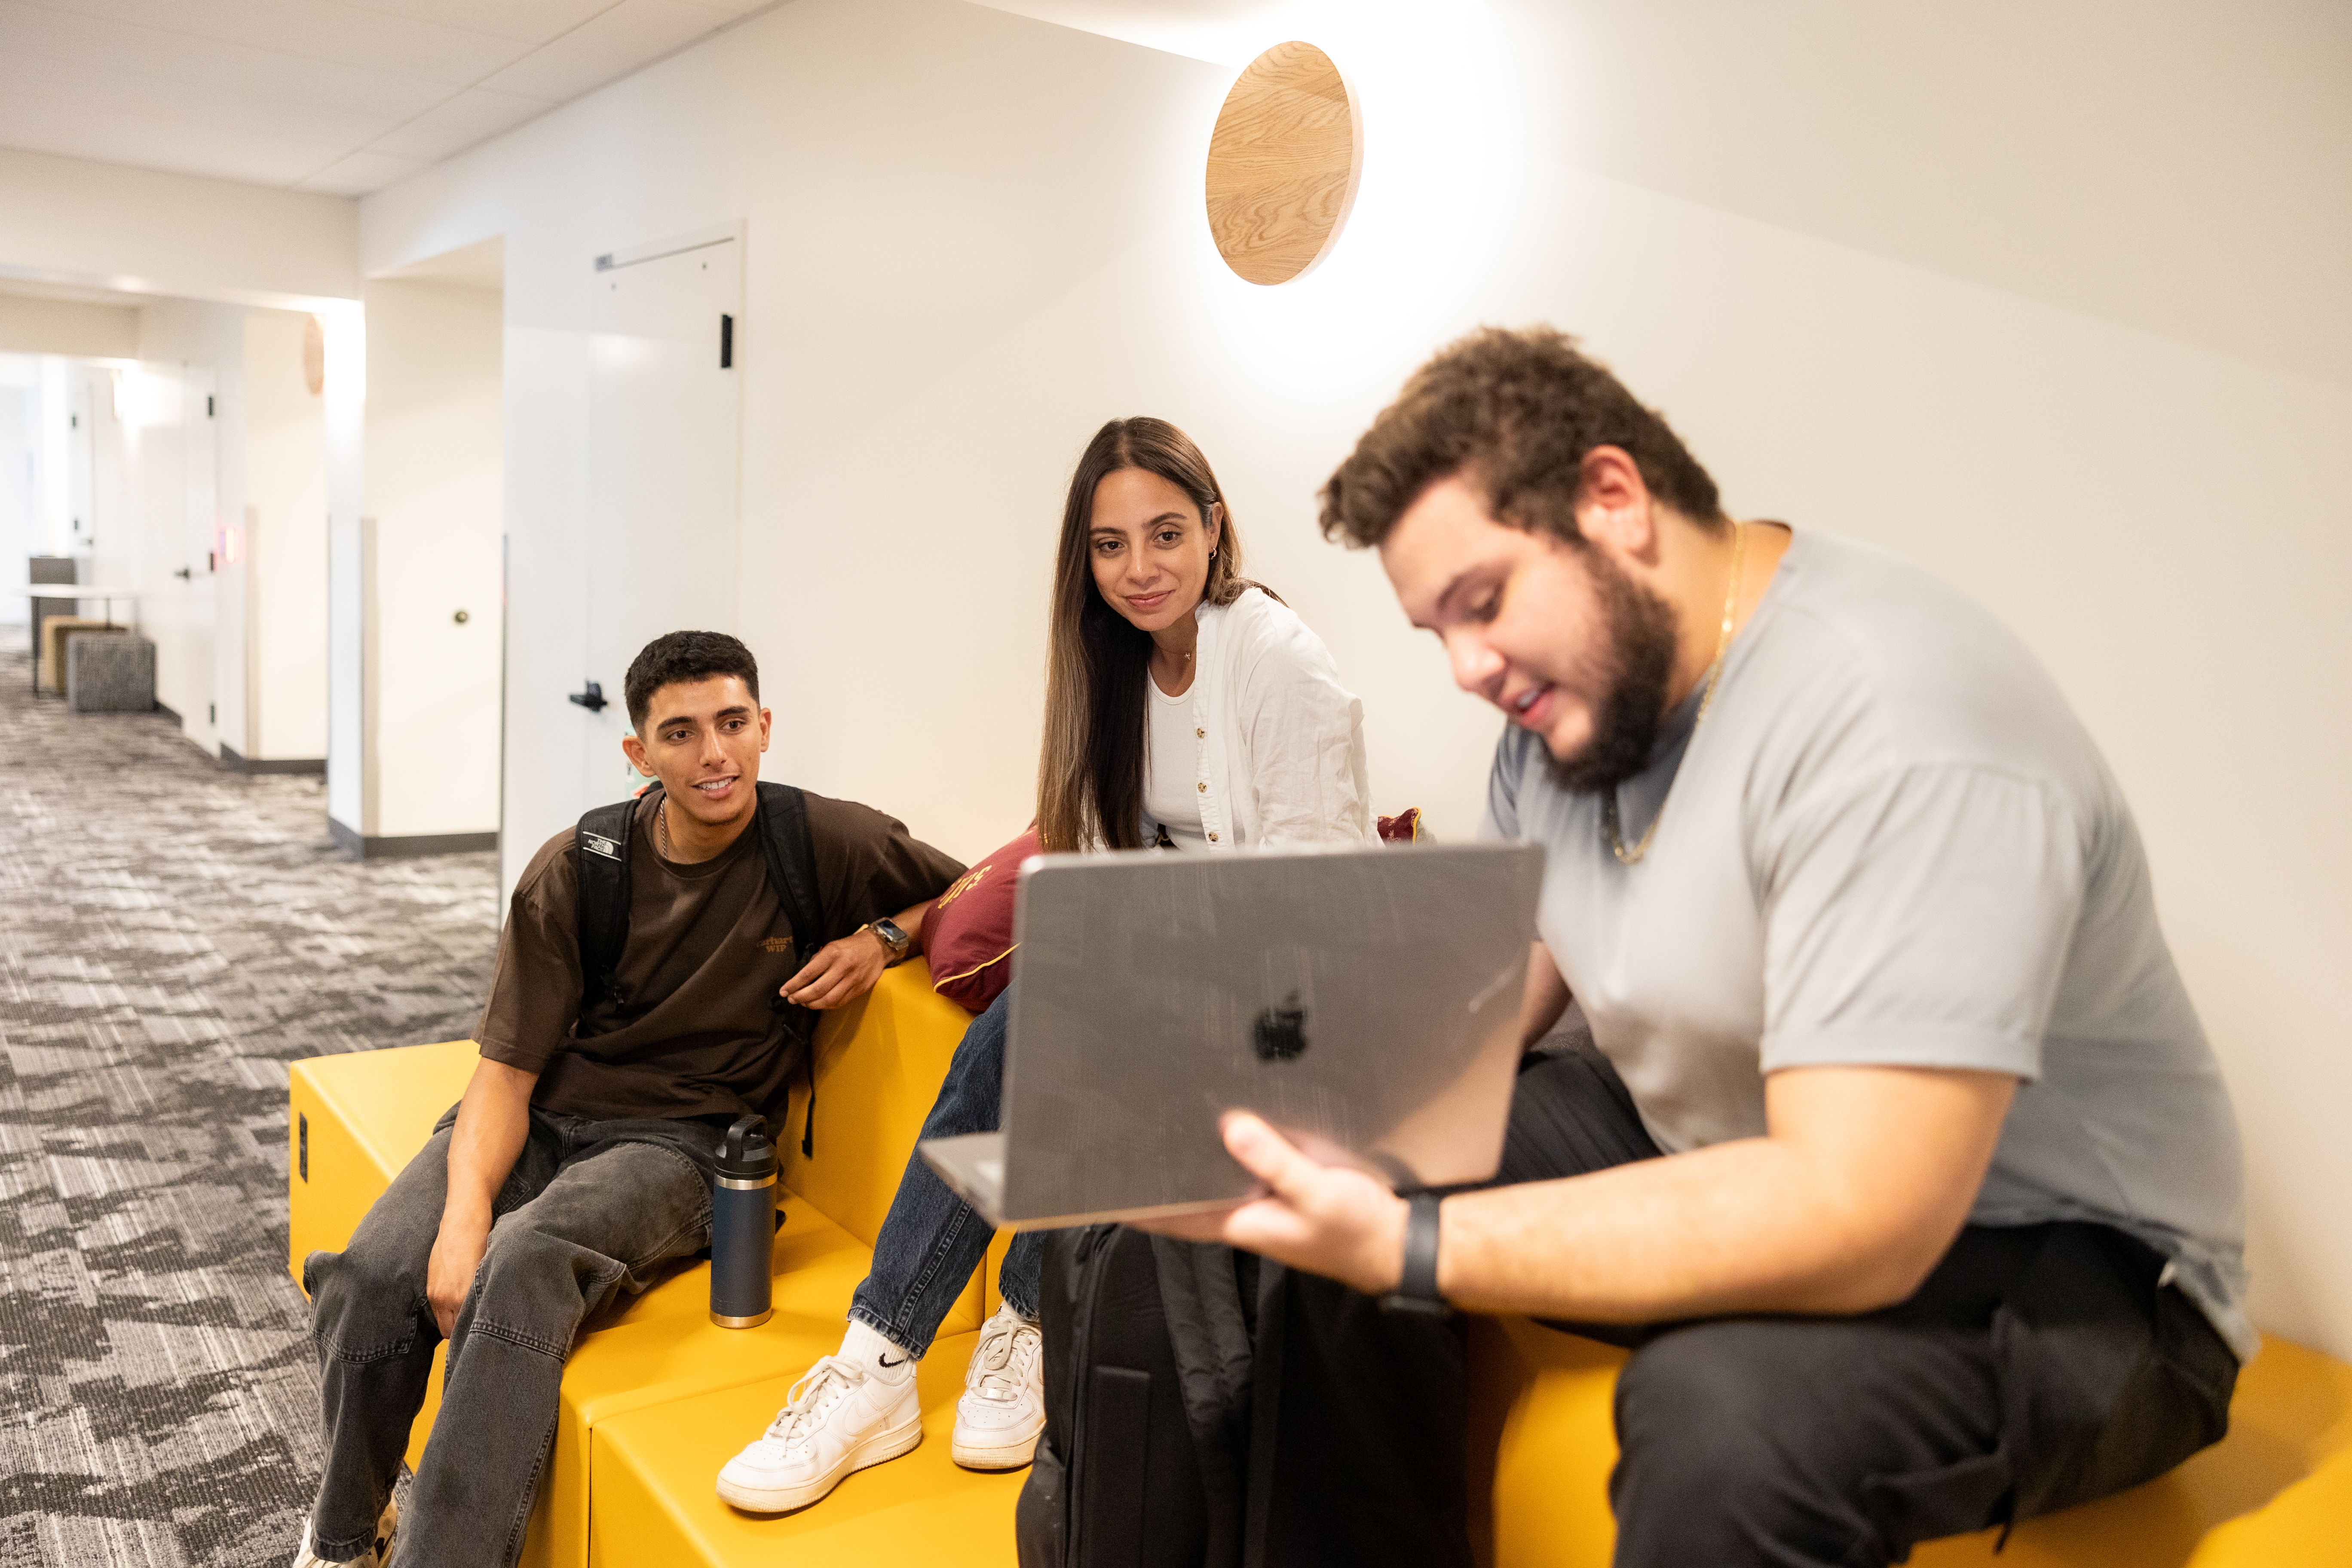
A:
1283, 164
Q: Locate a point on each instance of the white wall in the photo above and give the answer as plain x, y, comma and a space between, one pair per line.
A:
71, 220
972, 237
20, 494
434, 496
284, 572
345, 410
33, 325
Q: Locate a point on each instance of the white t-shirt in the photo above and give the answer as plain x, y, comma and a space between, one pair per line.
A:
1172, 773
1891, 843
1281, 741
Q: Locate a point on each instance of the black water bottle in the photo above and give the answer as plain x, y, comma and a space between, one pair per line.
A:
743, 1226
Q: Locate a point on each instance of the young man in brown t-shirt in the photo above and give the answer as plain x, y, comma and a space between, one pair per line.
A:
581, 1155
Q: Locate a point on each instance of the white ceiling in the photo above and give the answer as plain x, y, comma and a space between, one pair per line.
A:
340, 96
1223, 32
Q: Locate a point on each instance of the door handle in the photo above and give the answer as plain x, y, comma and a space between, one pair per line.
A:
185, 576
591, 699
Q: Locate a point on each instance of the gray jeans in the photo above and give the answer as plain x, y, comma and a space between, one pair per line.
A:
590, 1207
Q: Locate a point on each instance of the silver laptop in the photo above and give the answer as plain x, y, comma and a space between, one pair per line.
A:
1364, 1001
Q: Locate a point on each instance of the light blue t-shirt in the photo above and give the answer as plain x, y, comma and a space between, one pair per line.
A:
1893, 844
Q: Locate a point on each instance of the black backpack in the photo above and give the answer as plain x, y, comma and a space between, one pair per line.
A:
1167, 1395
1144, 1456
780, 821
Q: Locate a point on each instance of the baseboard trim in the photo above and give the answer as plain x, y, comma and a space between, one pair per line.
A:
171, 714
407, 845
235, 763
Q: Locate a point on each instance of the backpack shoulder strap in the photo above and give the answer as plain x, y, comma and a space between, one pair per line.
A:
792, 864
604, 899
785, 840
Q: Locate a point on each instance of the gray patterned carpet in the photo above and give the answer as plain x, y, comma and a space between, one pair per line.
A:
171, 936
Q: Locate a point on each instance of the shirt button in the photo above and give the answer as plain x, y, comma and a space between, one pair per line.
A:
1212, 839
1204, 786
1201, 735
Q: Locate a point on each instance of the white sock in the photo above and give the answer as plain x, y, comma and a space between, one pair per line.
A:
866, 1346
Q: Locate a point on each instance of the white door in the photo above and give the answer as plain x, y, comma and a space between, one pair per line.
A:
201, 523
654, 548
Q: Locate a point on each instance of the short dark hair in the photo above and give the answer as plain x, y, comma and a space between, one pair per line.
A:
674, 656
1516, 412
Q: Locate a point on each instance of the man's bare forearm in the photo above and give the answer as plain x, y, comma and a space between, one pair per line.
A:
493, 1119
1867, 1178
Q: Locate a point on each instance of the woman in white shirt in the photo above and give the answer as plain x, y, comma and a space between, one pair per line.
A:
1185, 704
1185, 707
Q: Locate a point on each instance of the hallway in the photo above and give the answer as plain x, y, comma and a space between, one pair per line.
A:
171, 936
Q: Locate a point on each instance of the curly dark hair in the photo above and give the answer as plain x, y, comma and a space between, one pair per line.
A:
674, 656
1516, 412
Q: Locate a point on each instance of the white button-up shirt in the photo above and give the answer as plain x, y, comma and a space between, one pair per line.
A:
1279, 742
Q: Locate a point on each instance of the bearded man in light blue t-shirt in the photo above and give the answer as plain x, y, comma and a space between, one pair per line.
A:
1902, 1158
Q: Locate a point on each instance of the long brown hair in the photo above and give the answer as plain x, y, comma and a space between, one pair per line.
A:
1090, 771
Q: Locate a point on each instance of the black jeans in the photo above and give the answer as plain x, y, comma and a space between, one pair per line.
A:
932, 1240
2037, 1367
590, 1207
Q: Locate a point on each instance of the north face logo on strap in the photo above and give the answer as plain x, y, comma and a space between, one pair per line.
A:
597, 844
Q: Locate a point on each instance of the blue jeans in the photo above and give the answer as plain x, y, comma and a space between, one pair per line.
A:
932, 1240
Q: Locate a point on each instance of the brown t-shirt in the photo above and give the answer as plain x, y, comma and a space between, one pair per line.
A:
699, 1034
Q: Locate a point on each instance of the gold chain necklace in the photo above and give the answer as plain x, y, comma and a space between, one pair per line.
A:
1715, 673
661, 827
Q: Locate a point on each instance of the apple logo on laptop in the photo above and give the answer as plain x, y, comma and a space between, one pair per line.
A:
1281, 1032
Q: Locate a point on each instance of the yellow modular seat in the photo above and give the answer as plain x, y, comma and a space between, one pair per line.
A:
357, 1120
655, 1399
2276, 1493
655, 1501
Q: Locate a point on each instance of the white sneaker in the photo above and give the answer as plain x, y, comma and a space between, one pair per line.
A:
376, 1556
836, 1419
1002, 1407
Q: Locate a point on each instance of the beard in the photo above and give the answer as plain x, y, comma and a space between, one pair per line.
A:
1636, 661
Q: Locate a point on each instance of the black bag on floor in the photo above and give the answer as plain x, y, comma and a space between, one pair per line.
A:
1146, 1405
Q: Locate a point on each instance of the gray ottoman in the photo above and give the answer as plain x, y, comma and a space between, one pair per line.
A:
110, 672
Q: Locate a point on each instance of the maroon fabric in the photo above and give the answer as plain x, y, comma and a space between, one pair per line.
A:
969, 932
1402, 828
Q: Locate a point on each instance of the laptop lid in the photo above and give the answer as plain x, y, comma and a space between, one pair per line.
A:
1364, 1001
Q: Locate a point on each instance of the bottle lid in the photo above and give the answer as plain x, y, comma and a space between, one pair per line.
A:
746, 1152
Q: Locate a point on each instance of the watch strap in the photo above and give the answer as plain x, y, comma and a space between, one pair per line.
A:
1416, 1291
898, 947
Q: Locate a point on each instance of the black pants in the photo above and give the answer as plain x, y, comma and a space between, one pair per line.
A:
2038, 1366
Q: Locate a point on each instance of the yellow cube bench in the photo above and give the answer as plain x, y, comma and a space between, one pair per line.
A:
355, 1121
654, 1501
2276, 1493
654, 1399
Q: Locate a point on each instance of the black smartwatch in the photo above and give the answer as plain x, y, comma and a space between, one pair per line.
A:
1417, 1291
895, 942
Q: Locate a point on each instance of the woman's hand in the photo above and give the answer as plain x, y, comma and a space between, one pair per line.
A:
1326, 1219
840, 973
